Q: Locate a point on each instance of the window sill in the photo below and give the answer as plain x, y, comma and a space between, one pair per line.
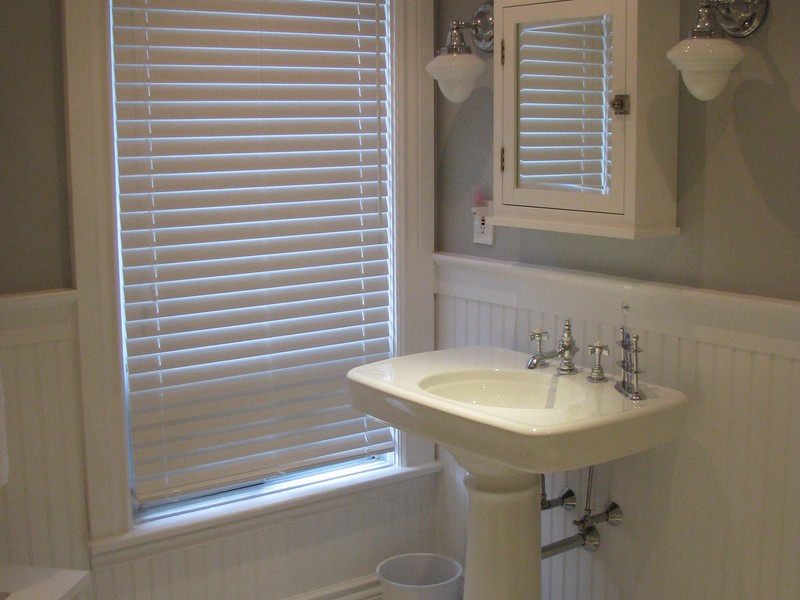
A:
179, 531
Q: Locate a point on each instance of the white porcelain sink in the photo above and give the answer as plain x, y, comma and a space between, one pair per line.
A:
505, 424
484, 401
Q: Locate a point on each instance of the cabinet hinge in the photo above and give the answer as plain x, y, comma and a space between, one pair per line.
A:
502, 52
502, 158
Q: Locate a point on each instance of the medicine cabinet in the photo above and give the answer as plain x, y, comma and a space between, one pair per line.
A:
585, 116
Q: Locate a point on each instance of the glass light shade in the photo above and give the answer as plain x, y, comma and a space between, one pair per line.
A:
705, 64
456, 74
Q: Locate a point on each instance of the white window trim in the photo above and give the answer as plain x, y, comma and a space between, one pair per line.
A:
92, 189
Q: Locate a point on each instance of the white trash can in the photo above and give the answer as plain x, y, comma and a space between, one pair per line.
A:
419, 577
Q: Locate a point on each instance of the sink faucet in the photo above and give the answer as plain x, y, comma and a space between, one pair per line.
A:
565, 349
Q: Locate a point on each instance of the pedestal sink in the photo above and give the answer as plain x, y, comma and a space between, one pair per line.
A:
506, 425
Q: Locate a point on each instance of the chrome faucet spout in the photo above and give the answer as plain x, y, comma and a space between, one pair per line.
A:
540, 359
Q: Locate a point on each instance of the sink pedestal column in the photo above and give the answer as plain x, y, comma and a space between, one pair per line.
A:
503, 534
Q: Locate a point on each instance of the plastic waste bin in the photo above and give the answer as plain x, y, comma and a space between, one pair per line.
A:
419, 576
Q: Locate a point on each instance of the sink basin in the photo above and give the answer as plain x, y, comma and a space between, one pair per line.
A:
505, 388
483, 402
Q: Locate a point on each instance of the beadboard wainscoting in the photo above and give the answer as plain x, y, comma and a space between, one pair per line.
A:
712, 515
311, 550
43, 508
329, 550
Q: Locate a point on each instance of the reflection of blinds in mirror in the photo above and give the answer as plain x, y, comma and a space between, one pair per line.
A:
564, 125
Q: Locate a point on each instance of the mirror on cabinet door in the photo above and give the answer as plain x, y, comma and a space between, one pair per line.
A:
571, 118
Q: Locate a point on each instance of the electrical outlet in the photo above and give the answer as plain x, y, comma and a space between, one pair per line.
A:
482, 232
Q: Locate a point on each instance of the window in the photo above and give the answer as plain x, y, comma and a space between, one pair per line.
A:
256, 220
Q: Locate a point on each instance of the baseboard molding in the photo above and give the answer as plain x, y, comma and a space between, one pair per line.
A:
363, 588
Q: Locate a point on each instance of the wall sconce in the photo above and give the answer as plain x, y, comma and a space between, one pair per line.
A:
705, 58
456, 68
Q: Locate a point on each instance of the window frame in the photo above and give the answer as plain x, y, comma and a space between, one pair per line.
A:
92, 185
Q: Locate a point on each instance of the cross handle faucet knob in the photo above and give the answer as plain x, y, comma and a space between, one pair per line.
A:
536, 336
599, 349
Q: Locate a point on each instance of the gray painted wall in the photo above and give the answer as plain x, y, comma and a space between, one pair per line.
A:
738, 206
34, 209
738, 187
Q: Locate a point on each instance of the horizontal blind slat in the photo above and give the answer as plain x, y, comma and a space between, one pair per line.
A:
212, 353
325, 8
243, 392
212, 123
245, 249
165, 332
258, 404
247, 366
172, 272
199, 147
216, 336
169, 219
328, 407
299, 176
246, 161
189, 235
309, 281
347, 288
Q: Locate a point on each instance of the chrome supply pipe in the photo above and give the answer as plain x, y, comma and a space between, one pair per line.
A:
587, 509
587, 538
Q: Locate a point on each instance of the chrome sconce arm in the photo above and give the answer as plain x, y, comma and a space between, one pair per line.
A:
740, 18
456, 68
705, 58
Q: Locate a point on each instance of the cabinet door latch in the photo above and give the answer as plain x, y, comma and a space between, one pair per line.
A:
620, 104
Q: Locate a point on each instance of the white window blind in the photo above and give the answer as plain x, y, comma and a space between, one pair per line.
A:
255, 232
564, 122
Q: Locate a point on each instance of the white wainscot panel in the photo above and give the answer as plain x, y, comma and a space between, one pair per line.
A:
711, 515
43, 506
308, 555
